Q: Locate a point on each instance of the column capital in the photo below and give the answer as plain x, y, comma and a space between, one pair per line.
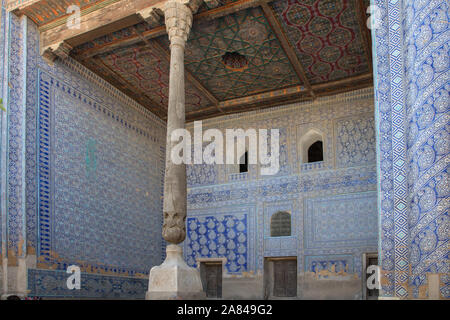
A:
178, 16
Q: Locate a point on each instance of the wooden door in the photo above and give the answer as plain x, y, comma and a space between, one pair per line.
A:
285, 278
213, 280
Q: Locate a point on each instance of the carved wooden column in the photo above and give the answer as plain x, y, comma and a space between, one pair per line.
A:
174, 279
178, 18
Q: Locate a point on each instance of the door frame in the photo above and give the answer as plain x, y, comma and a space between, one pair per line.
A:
269, 276
213, 261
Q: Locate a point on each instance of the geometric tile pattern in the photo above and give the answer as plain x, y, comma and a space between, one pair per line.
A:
77, 128
411, 55
200, 174
75, 76
14, 208
356, 142
427, 78
52, 284
3, 86
338, 263
333, 210
219, 236
391, 150
91, 163
326, 37
343, 220
222, 235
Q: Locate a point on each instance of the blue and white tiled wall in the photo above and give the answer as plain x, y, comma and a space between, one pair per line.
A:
330, 202
333, 204
84, 180
412, 72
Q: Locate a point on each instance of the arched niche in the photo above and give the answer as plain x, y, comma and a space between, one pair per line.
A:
310, 143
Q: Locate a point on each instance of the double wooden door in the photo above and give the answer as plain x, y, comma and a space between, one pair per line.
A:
285, 278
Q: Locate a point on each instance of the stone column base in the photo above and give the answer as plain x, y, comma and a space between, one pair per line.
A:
174, 279
14, 279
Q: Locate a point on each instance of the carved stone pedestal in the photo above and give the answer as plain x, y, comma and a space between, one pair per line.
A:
174, 279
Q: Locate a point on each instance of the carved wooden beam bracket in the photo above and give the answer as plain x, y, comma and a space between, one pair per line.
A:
58, 50
153, 16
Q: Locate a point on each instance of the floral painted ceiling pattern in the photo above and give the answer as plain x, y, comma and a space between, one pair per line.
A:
148, 72
326, 37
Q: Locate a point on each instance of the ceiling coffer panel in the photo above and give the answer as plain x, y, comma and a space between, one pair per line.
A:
144, 69
326, 37
237, 55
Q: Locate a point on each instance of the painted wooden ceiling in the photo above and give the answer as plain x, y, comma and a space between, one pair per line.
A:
248, 34
48, 11
254, 56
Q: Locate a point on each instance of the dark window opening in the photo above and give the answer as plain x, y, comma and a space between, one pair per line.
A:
315, 152
243, 164
280, 224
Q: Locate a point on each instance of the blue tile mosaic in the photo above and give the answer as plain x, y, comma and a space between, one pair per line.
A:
85, 166
52, 284
412, 92
91, 163
330, 192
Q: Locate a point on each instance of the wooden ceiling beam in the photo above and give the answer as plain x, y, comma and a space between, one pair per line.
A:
321, 90
247, 108
362, 22
17, 5
262, 97
107, 19
290, 53
362, 78
279, 96
161, 30
151, 34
